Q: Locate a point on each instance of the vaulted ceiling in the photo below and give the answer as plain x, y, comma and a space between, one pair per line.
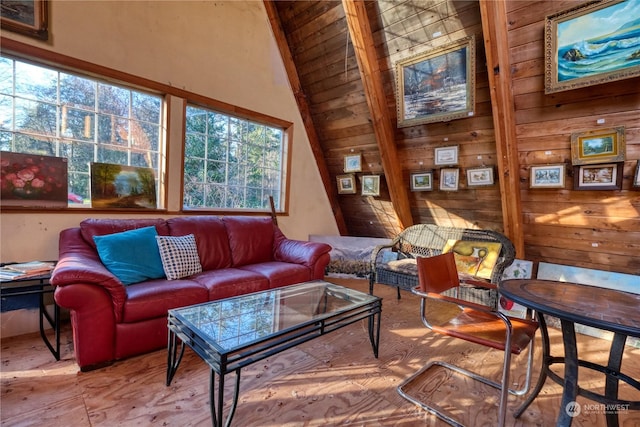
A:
340, 60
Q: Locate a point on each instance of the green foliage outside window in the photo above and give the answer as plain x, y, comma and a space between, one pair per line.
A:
231, 163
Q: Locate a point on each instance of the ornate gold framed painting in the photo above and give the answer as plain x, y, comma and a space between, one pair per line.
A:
593, 43
598, 146
438, 85
29, 17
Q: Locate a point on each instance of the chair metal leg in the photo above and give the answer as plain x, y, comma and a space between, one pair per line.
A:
503, 386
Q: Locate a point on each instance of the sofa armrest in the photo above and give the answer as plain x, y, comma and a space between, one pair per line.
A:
79, 263
299, 251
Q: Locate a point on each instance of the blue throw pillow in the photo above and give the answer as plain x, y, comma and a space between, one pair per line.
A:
132, 256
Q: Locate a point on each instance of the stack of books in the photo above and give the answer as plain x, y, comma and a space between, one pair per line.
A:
25, 270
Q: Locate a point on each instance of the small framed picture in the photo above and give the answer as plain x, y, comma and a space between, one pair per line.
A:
598, 177
346, 184
598, 146
636, 177
371, 185
449, 179
547, 176
353, 163
422, 181
446, 155
477, 177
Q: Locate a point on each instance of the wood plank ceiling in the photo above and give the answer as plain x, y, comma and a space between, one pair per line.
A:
340, 57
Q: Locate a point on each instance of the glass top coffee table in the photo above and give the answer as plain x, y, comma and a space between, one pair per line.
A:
231, 333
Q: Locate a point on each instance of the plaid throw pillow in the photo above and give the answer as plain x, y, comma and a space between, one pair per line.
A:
179, 256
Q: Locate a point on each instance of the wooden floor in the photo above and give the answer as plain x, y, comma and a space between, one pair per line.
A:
330, 381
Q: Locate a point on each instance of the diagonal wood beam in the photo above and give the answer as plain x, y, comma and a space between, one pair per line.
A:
305, 112
494, 28
362, 39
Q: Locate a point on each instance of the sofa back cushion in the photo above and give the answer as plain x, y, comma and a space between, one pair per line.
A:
211, 239
250, 239
99, 227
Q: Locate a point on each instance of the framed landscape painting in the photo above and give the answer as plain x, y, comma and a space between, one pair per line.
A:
422, 181
117, 186
438, 85
446, 155
593, 43
598, 177
598, 146
29, 17
346, 184
449, 179
547, 176
478, 177
371, 185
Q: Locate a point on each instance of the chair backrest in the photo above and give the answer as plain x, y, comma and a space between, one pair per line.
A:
437, 273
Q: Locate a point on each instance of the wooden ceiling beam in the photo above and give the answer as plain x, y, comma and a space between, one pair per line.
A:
364, 47
305, 112
494, 29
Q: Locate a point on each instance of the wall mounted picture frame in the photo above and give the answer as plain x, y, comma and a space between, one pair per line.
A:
548, 176
591, 44
28, 17
437, 85
422, 181
353, 163
446, 156
636, 176
598, 146
606, 176
449, 179
122, 187
33, 181
479, 177
346, 184
370, 185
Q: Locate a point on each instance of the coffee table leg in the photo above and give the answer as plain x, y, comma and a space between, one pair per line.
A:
173, 359
217, 409
374, 323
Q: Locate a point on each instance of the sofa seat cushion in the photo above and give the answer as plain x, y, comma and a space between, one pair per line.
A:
231, 282
281, 273
154, 298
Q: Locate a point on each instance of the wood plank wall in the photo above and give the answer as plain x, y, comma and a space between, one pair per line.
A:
593, 229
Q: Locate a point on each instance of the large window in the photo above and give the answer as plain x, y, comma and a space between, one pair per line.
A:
231, 163
50, 112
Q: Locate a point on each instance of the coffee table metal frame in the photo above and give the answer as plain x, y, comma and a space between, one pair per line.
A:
221, 361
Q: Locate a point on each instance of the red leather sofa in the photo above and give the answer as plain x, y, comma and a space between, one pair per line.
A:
112, 321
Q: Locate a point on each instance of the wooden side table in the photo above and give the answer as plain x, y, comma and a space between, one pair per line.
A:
37, 285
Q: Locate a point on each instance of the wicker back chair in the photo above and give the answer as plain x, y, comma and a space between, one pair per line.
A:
426, 240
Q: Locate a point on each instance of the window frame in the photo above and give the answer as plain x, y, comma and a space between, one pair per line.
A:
287, 137
62, 62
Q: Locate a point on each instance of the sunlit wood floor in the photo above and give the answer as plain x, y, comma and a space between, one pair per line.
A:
330, 381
